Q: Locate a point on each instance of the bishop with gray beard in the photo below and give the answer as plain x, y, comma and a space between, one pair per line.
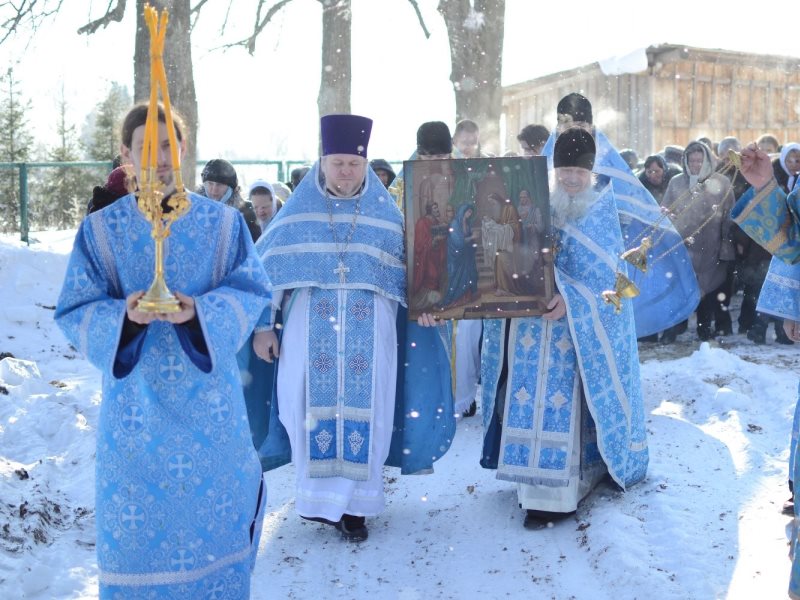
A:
562, 391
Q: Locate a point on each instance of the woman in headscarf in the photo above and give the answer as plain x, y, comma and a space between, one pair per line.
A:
787, 167
699, 201
655, 176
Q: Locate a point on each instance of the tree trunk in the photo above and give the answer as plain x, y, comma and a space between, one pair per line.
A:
475, 31
180, 75
334, 85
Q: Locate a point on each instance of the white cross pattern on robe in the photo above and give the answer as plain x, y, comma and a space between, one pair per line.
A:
182, 559
249, 269
180, 465
78, 279
133, 418
130, 517
341, 270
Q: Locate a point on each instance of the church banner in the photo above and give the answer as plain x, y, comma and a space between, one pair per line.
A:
478, 237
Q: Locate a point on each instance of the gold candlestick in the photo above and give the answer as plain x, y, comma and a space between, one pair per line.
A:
158, 298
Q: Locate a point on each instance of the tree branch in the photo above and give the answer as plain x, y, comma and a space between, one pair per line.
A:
112, 14
225, 20
250, 42
421, 20
194, 14
196, 8
25, 14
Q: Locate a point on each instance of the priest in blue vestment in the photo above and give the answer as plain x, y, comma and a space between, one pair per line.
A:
335, 258
772, 218
668, 291
179, 490
562, 396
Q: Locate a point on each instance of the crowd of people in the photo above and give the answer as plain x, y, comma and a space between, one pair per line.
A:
292, 318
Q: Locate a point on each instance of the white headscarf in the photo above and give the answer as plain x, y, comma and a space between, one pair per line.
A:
265, 184
784, 153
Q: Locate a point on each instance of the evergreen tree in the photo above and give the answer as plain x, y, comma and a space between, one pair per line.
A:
16, 143
62, 199
104, 124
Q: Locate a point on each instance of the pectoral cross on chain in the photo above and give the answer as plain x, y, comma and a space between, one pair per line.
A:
341, 270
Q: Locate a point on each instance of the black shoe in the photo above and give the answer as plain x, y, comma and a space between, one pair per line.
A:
649, 338
725, 331
788, 507
539, 519
757, 336
322, 520
470, 412
668, 337
780, 335
353, 528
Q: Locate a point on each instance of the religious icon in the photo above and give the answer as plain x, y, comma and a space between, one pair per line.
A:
478, 237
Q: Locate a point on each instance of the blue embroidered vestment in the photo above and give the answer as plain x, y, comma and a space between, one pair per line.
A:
589, 353
668, 291
299, 251
770, 217
178, 482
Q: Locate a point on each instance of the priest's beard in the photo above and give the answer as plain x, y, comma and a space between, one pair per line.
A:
566, 208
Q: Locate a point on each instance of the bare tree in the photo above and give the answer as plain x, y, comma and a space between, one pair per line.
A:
25, 14
336, 75
334, 82
475, 29
177, 61
180, 71
29, 15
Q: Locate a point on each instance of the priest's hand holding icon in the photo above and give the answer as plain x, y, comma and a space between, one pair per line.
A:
427, 320
265, 345
557, 308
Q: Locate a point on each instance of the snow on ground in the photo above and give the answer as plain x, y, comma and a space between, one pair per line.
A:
705, 524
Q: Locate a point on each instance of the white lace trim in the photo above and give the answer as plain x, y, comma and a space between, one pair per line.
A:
171, 577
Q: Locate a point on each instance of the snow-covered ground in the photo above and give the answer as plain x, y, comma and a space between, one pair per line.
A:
705, 524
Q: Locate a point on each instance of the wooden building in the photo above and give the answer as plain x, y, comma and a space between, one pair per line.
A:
684, 93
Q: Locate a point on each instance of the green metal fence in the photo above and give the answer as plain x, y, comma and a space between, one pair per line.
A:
282, 168
24, 192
